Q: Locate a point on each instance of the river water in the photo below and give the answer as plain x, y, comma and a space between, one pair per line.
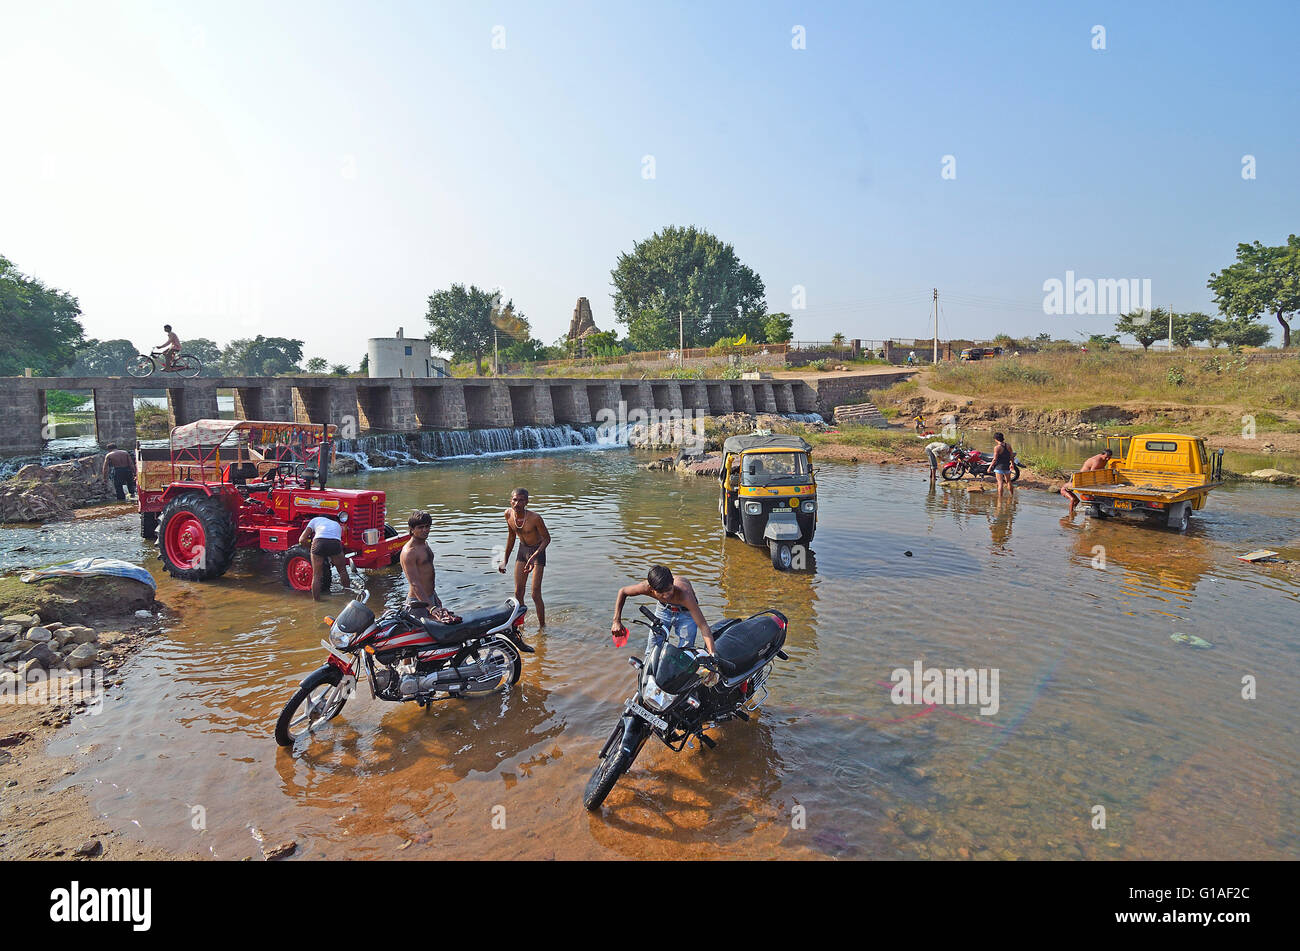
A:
1098, 708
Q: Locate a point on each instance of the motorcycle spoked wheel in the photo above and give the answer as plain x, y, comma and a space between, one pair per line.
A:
609, 769
317, 700
497, 653
954, 472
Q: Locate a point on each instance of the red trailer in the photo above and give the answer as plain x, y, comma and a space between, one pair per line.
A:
221, 485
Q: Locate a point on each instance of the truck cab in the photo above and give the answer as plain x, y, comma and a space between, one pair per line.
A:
1160, 476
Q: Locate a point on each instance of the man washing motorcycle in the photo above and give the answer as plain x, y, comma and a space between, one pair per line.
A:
679, 613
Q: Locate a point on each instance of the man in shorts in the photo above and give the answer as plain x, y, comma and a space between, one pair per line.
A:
932, 452
120, 467
417, 565
170, 348
326, 539
533, 539
679, 613
1099, 461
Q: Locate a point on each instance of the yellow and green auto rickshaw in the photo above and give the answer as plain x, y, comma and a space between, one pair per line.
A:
769, 495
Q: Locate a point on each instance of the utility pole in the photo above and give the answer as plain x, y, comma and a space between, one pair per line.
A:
496, 364
681, 336
1171, 329
936, 325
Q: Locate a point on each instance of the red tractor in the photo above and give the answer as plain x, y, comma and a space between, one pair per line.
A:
223, 484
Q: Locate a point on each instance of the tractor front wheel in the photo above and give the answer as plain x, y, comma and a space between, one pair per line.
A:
149, 526
198, 537
296, 571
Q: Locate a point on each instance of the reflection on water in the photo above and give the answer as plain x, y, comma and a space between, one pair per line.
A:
1098, 706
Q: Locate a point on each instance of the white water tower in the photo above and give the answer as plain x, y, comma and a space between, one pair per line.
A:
404, 357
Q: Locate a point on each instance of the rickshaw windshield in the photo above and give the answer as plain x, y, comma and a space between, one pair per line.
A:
773, 468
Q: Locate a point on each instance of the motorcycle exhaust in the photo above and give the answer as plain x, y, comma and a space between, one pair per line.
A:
414, 686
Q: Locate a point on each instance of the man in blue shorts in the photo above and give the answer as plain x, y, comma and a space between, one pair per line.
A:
679, 610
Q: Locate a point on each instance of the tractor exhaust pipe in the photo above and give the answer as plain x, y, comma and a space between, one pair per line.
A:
323, 455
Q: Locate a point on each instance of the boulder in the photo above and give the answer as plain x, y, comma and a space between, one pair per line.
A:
41, 635
76, 600
41, 654
84, 655
9, 631
26, 620
1276, 476
83, 635
47, 493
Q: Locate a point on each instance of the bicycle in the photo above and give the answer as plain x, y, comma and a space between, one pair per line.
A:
186, 365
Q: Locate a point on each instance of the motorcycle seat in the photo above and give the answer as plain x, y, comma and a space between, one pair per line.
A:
743, 643
472, 624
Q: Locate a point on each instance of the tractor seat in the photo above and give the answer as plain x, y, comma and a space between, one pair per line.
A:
472, 624
741, 645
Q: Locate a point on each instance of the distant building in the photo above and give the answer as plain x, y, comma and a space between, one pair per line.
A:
403, 356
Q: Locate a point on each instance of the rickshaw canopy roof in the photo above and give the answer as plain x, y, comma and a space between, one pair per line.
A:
772, 441
213, 432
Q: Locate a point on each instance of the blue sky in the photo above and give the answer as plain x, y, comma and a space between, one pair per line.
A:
316, 170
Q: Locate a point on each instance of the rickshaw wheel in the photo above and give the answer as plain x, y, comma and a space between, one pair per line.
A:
782, 557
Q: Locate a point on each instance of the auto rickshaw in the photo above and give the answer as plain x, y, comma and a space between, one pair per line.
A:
768, 495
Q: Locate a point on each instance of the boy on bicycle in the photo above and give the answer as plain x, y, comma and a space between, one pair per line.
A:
171, 348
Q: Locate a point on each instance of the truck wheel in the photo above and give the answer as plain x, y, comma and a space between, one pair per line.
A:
390, 532
149, 526
1178, 518
296, 569
198, 537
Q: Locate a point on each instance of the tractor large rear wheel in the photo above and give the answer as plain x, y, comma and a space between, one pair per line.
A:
197, 537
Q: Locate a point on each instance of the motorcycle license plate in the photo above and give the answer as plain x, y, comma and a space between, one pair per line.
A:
646, 715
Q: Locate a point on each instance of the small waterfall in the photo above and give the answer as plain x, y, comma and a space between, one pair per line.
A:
803, 417
408, 449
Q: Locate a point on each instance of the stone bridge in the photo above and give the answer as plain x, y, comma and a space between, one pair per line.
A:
408, 405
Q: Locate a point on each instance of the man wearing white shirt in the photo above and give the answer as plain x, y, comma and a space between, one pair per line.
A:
932, 451
326, 539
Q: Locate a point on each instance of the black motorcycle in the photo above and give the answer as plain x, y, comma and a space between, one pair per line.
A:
682, 693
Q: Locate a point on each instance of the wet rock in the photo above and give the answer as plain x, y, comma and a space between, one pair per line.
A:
143, 615
85, 655
916, 830
344, 465
283, 850
89, 849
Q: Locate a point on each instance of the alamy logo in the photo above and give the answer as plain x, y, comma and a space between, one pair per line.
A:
102, 904
1102, 297
950, 686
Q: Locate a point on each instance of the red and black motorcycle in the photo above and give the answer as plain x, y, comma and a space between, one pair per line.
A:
406, 658
962, 460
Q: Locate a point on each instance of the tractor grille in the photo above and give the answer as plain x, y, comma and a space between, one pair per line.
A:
365, 514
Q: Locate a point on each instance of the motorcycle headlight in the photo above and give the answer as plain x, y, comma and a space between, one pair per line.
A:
339, 639
753, 508
655, 698
809, 505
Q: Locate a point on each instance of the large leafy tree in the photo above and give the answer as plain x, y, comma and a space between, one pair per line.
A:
103, 358
778, 328
465, 322
1147, 326
40, 324
686, 275
1189, 328
261, 356
1263, 280
207, 351
1238, 332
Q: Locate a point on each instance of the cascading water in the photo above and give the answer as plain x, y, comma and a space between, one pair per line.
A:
398, 449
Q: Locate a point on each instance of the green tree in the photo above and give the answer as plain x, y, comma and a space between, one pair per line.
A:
1263, 280
103, 358
364, 368
316, 365
207, 351
1147, 326
778, 328
340, 369
1238, 332
1189, 328
261, 356
689, 274
465, 322
837, 341
40, 324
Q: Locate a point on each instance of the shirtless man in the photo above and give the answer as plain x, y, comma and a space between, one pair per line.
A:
171, 347
417, 565
533, 539
680, 612
120, 467
1092, 463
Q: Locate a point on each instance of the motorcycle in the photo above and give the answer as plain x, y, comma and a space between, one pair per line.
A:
682, 693
405, 658
962, 460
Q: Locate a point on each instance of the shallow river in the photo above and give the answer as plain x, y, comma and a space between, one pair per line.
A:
1098, 706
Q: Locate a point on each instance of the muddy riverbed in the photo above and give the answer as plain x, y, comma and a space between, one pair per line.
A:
1098, 706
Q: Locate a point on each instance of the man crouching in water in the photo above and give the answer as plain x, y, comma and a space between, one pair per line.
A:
417, 565
679, 614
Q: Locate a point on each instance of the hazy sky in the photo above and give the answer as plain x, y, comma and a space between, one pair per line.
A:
318, 169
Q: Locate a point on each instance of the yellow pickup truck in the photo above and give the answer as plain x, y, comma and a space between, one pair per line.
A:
1161, 476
